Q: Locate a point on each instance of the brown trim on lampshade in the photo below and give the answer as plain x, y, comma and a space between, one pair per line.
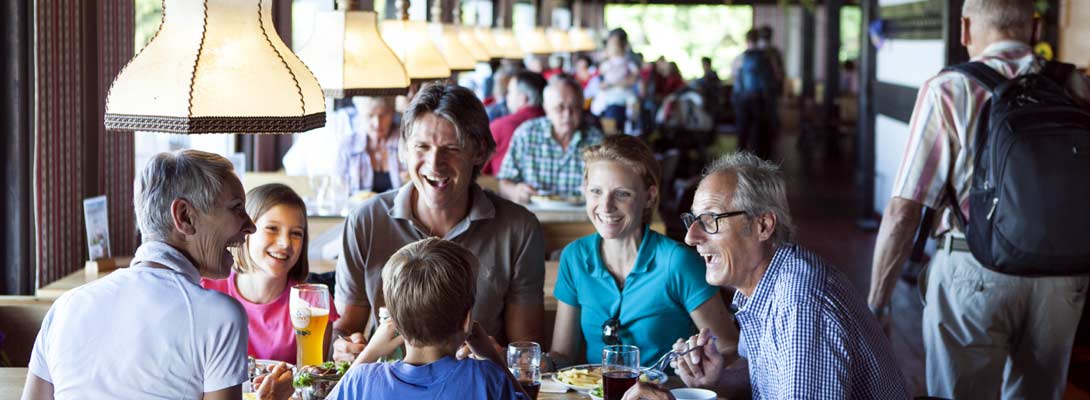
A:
375, 92
422, 81
459, 70
215, 124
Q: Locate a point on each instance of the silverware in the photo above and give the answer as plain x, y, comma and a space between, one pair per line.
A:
669, 357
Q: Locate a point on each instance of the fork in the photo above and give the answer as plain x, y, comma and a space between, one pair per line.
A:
669, 357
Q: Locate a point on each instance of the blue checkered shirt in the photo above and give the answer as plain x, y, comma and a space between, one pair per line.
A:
537, 159
807, 335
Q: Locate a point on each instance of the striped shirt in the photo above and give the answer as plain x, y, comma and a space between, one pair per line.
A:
945, 122
537, 159
806, 334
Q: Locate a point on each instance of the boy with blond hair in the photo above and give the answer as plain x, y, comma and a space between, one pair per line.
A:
429, 287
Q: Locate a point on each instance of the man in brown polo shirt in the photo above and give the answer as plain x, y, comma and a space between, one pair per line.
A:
444, 142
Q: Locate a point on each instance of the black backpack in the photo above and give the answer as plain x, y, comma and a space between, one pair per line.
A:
1029, 201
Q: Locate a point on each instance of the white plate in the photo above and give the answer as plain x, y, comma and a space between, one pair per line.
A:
545, 202
652, 376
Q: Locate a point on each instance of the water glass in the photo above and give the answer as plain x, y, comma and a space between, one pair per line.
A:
524, 360
620, 370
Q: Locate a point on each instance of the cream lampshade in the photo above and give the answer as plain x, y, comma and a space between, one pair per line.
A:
505, 39
469, 40
458, 56
349, 57
581, 40
559, 40
412, 44
534, 41
215, 66
488, 39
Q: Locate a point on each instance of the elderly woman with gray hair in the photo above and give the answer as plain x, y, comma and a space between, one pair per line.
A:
153, 322
805, 332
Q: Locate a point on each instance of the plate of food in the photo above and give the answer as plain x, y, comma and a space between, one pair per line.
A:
257, 366
587, 377
555, 201
315, 382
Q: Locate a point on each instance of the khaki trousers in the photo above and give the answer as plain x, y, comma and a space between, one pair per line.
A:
988, 334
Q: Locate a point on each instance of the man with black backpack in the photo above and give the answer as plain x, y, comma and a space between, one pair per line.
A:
1006, 139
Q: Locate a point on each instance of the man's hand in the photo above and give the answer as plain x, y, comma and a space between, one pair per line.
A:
275, 385
383, 342
648, 391
701, 368
482, 346
517, 192
894, 245
348, 350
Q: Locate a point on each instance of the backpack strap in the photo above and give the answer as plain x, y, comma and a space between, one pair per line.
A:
979, 72
1059, 72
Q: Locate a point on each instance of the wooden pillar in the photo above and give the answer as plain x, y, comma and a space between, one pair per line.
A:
807, 72
865, 132
951, 33
16, 75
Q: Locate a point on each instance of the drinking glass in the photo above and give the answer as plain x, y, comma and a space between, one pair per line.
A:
309, 308
620, 370
524, 360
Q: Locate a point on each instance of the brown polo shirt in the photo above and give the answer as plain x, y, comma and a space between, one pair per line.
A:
505, 237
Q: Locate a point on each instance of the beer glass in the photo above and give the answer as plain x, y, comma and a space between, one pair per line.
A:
620, 370
309, 308
524, 360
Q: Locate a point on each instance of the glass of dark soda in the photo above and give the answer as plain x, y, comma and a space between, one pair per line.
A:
620, 370
524, 360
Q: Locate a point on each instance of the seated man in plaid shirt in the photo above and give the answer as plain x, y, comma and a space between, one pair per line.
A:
545, 154
805, 333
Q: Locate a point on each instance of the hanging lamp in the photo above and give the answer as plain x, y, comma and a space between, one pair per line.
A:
349, 57
215, 66
534, 41
458, 57
468, 39
412, 44
488, 39
559, 40
581, 39
505, 39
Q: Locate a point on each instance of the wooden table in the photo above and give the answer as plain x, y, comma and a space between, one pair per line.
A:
11, 383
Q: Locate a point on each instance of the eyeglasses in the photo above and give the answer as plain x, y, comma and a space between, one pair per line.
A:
611, 332
708, 221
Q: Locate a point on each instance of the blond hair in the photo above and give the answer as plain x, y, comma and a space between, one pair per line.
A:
1013, 18
632, 153
429, 287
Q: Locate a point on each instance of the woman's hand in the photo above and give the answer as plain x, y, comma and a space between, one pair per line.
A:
275, 385
702, 368
383, 342
348, 349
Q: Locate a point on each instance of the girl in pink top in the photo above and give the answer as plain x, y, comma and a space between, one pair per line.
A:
273, 259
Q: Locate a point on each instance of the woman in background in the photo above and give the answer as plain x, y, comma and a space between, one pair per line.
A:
367, 160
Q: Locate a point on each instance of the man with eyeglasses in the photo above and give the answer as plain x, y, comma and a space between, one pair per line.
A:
805, 333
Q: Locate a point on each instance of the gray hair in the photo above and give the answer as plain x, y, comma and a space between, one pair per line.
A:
461, 108
1013, 18
530, 84
761, 189
193, 175
563, 80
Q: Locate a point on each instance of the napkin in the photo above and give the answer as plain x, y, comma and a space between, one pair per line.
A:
549, 385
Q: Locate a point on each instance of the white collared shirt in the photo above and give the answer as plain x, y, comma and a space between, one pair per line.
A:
142, 333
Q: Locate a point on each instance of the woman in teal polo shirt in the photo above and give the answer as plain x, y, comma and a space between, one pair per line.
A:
627, 284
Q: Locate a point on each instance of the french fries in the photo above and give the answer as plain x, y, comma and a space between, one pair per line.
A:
589, 378
579, 377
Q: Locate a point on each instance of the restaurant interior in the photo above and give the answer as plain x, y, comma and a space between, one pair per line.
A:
94, 88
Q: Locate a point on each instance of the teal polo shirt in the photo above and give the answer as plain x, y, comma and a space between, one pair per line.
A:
666, 284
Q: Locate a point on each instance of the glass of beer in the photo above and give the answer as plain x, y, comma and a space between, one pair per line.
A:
524, 360
309, 308
620, 370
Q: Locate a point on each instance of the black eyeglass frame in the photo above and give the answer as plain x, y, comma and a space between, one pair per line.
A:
687, 219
